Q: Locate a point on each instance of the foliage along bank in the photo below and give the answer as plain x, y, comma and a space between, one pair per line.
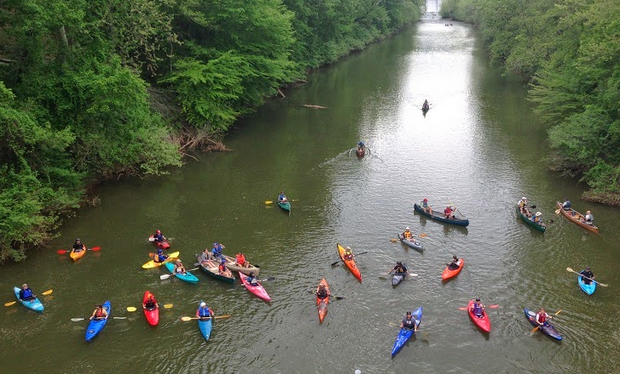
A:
91, 90
569, 51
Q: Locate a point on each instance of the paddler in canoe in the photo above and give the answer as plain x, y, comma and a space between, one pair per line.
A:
160, 257
150, 303
400, 268
455, 264
523, 207
223, 270
537, 218
427, 208
241, 261
26, 294
99, 313
217, 250
588, 219
179, 268
477, 308
322, 293
449, 212
204, 312
409, 322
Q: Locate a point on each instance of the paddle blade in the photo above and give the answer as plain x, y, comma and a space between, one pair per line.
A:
558, 312
335, 263
534, 329
340, 298
10, 303
61, 251
393, 240
164, 276
224, 316
413, 275
493, 306
131, 309
168, 306
186, 319
151, 239
95, 249
571, 270
463, 308
48, 292
268, 202
422, 235
77, 319
558, 211
119, 317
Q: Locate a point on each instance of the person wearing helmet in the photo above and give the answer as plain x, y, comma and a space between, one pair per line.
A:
322, 293
537, 218
407, 235
223, 270
160, 256
400, 268
216, 251
150, 303
427, 208
348, 255
26, 294
282, 198
158, 237
204, 312
588, 275
252, 279
477, 308
455, 264
78, 246
409, 322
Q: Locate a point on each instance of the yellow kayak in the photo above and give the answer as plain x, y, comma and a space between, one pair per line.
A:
77, 255
152, 264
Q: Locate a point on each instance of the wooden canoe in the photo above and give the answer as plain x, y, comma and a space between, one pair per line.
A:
212, 269
231, 263
439, 216
538, 226
576, 217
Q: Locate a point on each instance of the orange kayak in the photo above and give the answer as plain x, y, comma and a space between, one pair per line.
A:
349, 263
449, 273
321, 304
77, 255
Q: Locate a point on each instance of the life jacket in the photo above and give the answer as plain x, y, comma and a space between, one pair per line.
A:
158, 237
541, 317
161, 258
26, 294
407, 235
222, 268
150, 303
448, 211
477, 309
204, 312
253, 281
99, 313
78, 247
409, 322
217, 250
240, 259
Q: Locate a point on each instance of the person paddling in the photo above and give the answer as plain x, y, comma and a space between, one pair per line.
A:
322, 293
477, 308
179, 268
588, 219
160, 257
150, 303
204, 312
407, 235
26, 294
348, 255
223, 270
78, 246
252, 279
282, 198
99, 313
541, 317
587, 273
400, 268
159, 237
409, 322
455, 264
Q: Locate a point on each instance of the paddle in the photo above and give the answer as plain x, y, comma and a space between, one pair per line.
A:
48, 292
487, 307
573, 271
336, 263
166, 276
336, 297
268, 202
419, 236
132, 309
78, 319
537, 327
64, 251
187, 319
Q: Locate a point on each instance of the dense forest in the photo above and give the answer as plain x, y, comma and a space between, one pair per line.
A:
92, 90
569, 53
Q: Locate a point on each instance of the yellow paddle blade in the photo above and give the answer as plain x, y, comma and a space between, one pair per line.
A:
10, 303
48, 292
422, 235
558, 312
570, 269
131, 308
168, 306
268, 202
186, 319
393, 240
558, 211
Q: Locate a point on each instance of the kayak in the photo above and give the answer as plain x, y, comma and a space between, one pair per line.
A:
405, 334
212, 269
587, 288
257, 290
321, 304
35, 304
231, 263
483, 322
349, 263
77, 255
576, 217
547, 328
162, 245
410, 243
439, 216
205, 326
152, 315
450, 273
397, 278
187, 277
152, 264
96, 325
538, 226
286, 206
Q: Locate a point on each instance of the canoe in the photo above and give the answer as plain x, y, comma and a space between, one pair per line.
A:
587, 288
257, 291
285, 206
574, 216
360, 152
321, 304
538, 226
35, 304
483, 323
349, 263
96, 325
77, 255
152, 315
410, 243
397, 278
438, 216
212, 269
231, 263
205, 326
187, 277
547, 329
450, 273
152, 264
405, 334
162, 245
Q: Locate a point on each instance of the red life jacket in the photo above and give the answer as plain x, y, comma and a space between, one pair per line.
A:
541, 317
99, 313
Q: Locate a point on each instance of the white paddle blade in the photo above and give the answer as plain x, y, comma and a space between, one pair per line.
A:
164, 276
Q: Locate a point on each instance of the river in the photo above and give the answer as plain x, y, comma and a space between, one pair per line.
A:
479, 147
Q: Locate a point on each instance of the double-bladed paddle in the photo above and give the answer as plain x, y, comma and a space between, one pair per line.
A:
132, 309
187, 319
78, 319
336, 263
595, 281
485, 307
330, 295
419, 236
537, 327
48, 292
166, 276
64, 251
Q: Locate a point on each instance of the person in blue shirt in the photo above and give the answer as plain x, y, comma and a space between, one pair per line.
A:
204, 312
160, 256
282, 197
25, 294
427, 208
158, 237
217, 250
566, 204
252, 279
477, 308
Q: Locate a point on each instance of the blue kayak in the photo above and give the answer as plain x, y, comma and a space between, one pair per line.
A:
30, 304
205, 326
587, 288
187, 277
410, 243
547, 328
405, 334
96, 325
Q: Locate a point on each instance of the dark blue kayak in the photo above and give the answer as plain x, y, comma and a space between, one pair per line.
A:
410, 243
96, 325
547, 328
405, 334
439, 216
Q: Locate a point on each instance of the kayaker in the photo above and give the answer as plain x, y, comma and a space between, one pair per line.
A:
400, 268
178, 267
541, 317
455, 264
537, 218
407, 235
566, 204
523, 206
78, 246
348, 255
241, 261
477, 308
360, 145
252, 279
223, 270
204, 312
160, 256
427, 208
216, 251
587, 273
150, 303
589, 218
282, 197
158, 237
99, 313
322, 292
409, 322
425, 106
448, 212
26, 294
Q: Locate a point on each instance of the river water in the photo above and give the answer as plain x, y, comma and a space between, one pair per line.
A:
478, 147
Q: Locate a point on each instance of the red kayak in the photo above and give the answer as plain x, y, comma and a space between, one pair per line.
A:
257, 290
162, 245
482, 322
152, 315
451, 273
321, 304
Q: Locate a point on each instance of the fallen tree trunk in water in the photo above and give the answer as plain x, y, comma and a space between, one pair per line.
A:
314, 106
